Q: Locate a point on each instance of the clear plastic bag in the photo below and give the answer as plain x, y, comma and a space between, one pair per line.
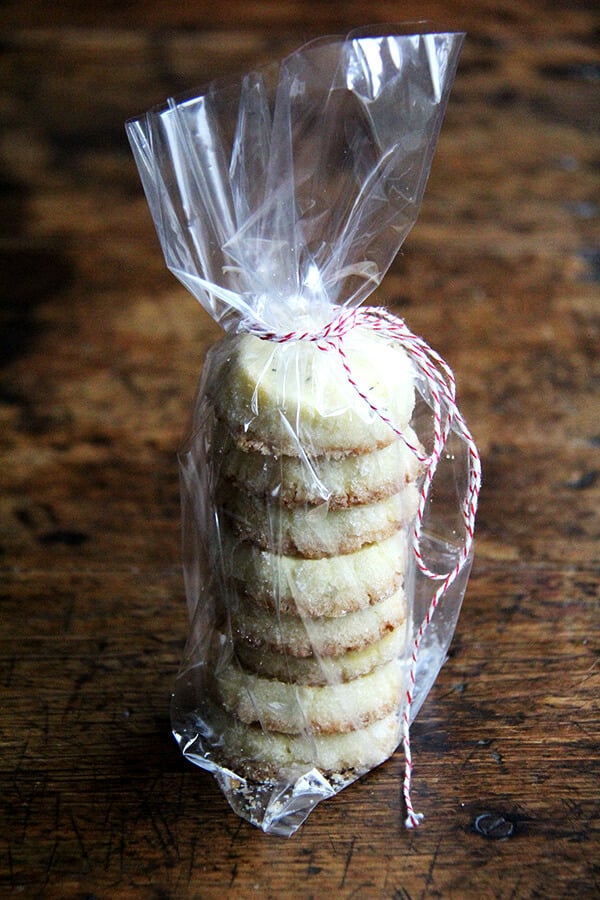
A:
329, 482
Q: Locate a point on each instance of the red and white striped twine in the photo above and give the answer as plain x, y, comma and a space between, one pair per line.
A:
442, 391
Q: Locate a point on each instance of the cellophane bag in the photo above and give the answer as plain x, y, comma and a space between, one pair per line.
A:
329, 482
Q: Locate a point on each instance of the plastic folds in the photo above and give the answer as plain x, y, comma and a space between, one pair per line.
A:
324, 576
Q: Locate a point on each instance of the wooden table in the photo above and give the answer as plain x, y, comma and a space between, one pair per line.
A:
101, 350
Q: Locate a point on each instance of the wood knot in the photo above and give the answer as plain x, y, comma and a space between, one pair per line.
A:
494, 826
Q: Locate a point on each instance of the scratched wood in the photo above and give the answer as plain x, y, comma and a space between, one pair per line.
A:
100, 351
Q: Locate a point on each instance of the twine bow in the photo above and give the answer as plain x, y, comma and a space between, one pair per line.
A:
442, 391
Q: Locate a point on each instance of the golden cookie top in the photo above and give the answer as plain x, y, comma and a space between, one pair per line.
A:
295, 398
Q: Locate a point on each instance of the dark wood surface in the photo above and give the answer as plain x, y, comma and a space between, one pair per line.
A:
100, 353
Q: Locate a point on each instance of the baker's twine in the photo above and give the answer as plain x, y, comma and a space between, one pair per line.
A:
442, 390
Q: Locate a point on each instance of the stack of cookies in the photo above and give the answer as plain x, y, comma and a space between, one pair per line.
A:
315, 496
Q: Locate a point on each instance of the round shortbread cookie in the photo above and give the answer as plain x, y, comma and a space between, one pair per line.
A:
316, 531
294, 397
323, 669
321, 636
331, 586
260, 755
323, 709
345, 480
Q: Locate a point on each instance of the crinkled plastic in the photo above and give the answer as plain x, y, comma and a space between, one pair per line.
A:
328, 481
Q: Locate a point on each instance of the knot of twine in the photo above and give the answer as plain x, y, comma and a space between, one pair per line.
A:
442, 390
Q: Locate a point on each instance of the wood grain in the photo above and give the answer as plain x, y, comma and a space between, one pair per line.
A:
100, 354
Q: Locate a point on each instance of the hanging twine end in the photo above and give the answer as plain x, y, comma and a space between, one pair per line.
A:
413, 820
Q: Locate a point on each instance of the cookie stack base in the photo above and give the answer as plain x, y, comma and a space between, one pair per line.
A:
270, 757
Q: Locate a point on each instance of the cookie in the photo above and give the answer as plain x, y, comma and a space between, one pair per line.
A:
323, 709
322, 669
340, 481
316, 531
323, 636
330, 586
259, 755
294, 398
